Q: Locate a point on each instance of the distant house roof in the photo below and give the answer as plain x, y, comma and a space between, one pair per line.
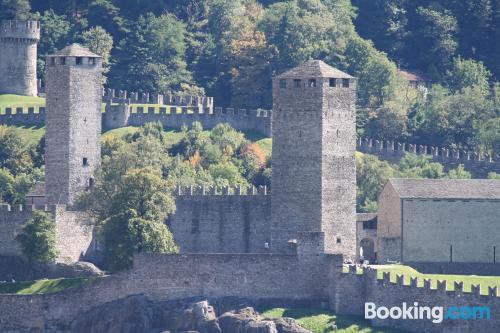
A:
412, 76
37, 191
75, 50
447, 188
314, 68
364, 217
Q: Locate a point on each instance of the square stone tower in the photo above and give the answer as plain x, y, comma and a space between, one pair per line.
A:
73, 123
314, 168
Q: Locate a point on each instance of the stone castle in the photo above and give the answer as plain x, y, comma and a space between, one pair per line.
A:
285, 246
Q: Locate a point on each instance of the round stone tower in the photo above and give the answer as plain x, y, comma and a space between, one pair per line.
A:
73, 123
18, 51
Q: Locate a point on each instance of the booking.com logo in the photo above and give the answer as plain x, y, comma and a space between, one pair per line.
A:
436, 314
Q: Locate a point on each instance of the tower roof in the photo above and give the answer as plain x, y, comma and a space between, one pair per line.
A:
314, 68
75, 50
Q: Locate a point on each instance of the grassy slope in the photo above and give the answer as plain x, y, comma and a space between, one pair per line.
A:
468, 280
18, 101
42, 286
323, 321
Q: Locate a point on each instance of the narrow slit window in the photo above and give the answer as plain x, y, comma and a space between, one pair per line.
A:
85, 161
296, 83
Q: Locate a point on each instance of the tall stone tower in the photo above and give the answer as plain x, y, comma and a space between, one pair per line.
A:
314, 169
73, 123
18, 50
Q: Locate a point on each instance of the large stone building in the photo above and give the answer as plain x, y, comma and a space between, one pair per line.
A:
18, 51
73, 129
439, 220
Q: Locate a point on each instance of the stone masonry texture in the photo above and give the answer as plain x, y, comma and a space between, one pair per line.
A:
73, 129
314, 142
18, 51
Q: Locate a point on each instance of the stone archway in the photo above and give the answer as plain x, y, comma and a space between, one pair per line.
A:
368, 249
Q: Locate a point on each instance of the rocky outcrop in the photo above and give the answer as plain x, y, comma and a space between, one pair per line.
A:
136, 314
18, 269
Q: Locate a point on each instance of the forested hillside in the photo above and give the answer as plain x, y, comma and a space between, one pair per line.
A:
229, 49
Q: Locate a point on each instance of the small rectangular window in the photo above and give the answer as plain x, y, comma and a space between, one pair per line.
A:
333, 82
339, 240
312, 83
282, 84
296, 83
53, 61
91, 61
85, 161
79, 60
345, 83
63, 61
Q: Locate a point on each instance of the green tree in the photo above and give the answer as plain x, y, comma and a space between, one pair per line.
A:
153, 57
459, 173
227, 174
14, 154
55, 34
305, 29
38, 238
494, 175
97, 40
137, 219
227, 138
487, 135
435, 39
371, 176
15, 10
468, 73
419, 166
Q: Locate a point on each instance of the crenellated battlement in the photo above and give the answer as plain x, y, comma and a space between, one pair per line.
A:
394, 147
29, 208
123, 97
213, 190
457, 289
20, 31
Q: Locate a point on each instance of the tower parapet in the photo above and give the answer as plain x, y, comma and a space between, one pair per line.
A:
18, 45
73, 123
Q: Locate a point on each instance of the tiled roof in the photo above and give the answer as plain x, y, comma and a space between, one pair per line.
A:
314, 68
447, 188
75, 50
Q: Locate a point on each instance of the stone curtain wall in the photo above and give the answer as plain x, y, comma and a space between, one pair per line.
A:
74, 237
311, 279
352, 290
171, 277
11, 219
222, 223
117, 116
477, 163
